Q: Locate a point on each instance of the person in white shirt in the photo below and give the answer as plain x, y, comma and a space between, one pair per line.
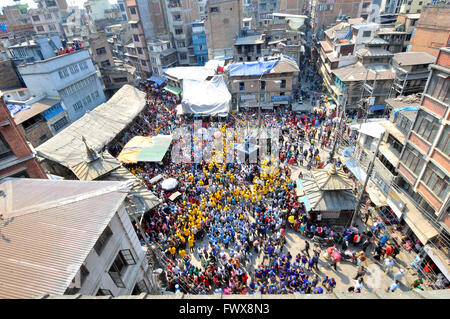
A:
358, 284
388, 264
399, 275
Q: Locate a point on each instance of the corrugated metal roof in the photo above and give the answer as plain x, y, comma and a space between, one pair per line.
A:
88, 171
35, 109
98, 126
413, 58
55, 226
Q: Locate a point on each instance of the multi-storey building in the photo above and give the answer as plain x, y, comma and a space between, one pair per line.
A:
17, 159
297, 7
266, 90
73, 24
18, 21
432, 30
412, 6
162, 56
38, 117
107, 258
96, 8
222, 26
148, 20
250, 47
123, 9
47, 17
326, 13
411, 72
70, 77
199, 42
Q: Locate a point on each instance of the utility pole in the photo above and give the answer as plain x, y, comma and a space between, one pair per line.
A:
369, 172
339, 125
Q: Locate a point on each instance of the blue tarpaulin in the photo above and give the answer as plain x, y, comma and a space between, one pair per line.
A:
251, 68
305, 200
157, 80
376, 107
355, 169
406, 108
16, 108
3, 27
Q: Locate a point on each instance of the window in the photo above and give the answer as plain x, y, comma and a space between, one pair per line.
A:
124, 258
178, 31
181, 44
83, 66
426, 126
63, 74
436, 180
136, 37
177, 17
104, 292
439, 87
241, 86
395, 144
48, 16
5, 150
103, 240
101, 50
214, 9
87, 101
262, 97
366, 34
95, 95
61, 123
183, 56
263, 85
36, 18
120, 80
133, 10
444, 141
74, 69
283, 84
143, 63
105, 63
412, 159
51, 27
140, 287
366, 5
78, 106
40, 28
139, 50
84, 273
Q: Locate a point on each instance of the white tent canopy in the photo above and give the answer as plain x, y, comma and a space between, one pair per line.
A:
206, 97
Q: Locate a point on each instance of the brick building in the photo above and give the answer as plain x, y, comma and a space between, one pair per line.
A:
9, 78
432, 30
16, 157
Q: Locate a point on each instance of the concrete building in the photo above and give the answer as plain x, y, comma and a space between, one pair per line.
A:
412, 6
199, 42
70, 77
17, 158
267, 90
147, 19
73, 24
47, 17
96, 8
18, 21
411, 72
326, 13
107, 259
180, 16
123, 9
432, 30
250, 48
39, 117
162, 56
222, 26
113, 76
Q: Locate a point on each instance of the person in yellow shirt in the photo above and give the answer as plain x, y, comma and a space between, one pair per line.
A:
191, 243
182, 252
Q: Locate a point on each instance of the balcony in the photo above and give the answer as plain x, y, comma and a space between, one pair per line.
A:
174, 5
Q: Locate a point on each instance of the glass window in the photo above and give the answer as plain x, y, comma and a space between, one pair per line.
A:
124, 258
136, 37
61, 123
439, 87
426, 126
241, 86
101, 50
78, 106
436, 180
133, 10
366, 34
444, 141
103, 240
413, 159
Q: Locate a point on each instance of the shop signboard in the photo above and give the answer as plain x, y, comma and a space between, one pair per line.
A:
394, 201
247, 97
279, 98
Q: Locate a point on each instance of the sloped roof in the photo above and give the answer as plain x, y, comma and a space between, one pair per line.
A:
358, 72
252, 39
98, 126
35, 109
413, 58
56, 224
374, 52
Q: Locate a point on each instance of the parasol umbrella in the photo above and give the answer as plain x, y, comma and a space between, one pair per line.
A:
169, 184
217, 134
336, 256
202, 130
